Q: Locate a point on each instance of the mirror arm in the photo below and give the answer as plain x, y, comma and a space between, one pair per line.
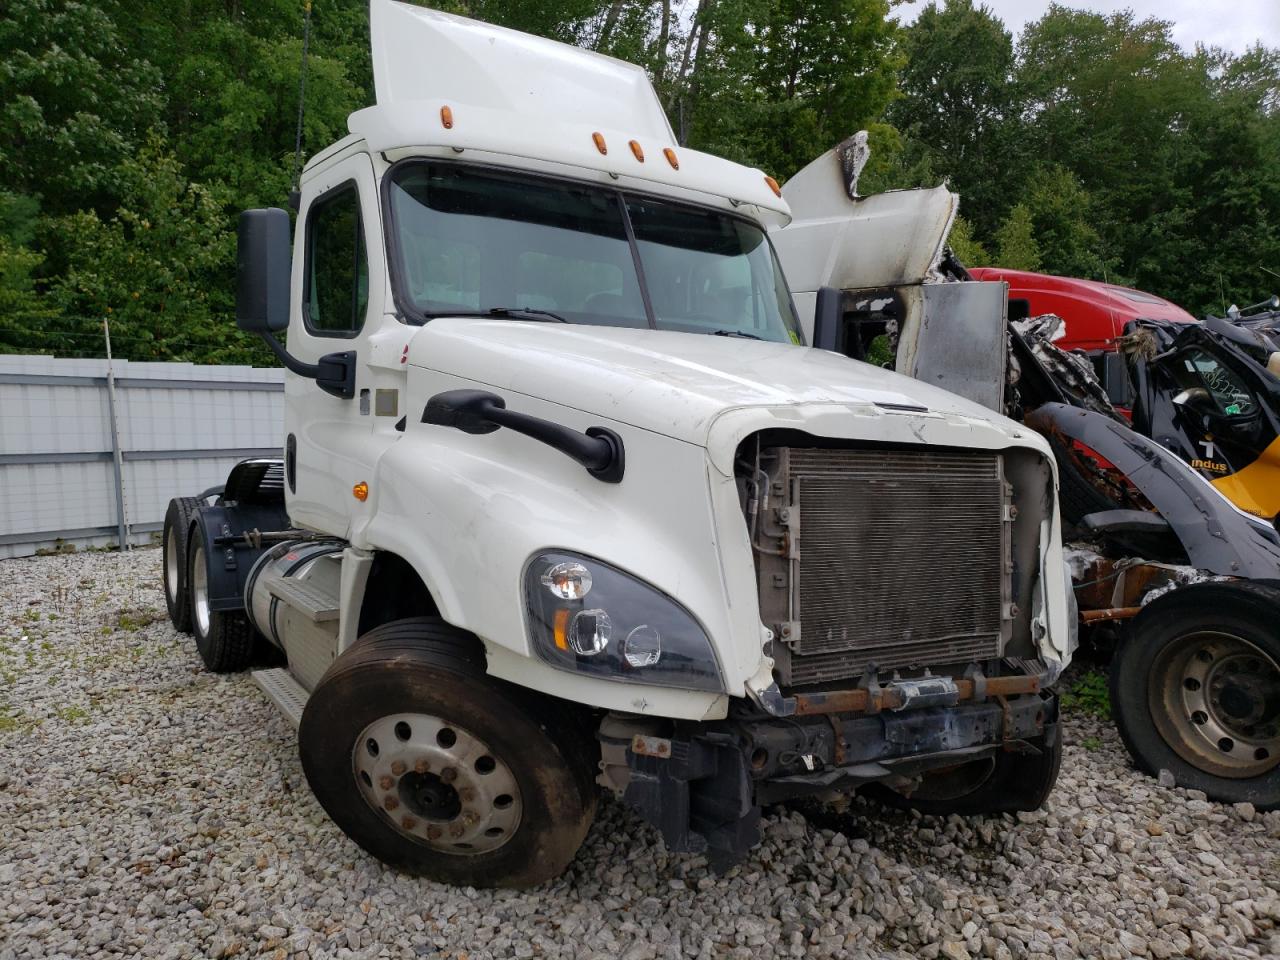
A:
334, 374
599, 449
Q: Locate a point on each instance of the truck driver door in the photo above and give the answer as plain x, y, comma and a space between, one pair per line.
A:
339, 292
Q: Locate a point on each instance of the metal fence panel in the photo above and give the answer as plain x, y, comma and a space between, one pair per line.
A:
181, 428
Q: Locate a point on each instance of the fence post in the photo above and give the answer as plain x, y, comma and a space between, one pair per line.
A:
117, 461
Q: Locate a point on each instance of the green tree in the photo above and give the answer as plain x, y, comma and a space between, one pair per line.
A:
74, 102
159, 269
959, 106
962, 243
1016, 240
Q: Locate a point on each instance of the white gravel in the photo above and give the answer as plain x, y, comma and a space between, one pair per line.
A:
150, 808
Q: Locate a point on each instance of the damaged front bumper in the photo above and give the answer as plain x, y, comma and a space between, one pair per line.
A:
703, 784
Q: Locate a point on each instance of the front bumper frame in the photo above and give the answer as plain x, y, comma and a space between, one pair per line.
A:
704, 786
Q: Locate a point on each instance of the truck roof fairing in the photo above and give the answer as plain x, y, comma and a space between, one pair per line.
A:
512, 94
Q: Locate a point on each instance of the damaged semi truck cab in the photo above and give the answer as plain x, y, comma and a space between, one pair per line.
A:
566, 502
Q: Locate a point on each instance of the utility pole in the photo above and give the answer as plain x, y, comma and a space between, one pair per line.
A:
117, 461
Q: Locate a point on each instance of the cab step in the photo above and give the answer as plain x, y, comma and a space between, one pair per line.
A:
282, 690
315, 604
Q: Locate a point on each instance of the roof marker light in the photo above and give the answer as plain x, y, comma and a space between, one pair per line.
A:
671, 158
773, 185
635, 148
446, 117
600, 144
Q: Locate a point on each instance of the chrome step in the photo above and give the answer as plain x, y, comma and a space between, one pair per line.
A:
313, 603
282, 690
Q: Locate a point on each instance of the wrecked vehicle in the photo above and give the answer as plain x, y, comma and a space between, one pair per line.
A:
1185, 583
565, 500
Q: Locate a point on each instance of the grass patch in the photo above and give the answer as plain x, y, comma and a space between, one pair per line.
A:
1089, 694
1091, 744
133, 619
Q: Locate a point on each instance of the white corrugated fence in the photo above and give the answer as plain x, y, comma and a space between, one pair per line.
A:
180, 428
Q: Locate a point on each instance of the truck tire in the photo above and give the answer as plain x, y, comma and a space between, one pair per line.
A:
1195, 690
173, 546
224, 638
437, 769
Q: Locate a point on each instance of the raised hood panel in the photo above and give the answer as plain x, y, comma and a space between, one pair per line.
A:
675, 384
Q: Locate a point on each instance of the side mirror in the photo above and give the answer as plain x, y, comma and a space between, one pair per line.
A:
263, 269
263, 266
1193, 397
828, 320
1115, 379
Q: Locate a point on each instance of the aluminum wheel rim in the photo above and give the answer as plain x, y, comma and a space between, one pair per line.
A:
171, 567
200, 591
436, 783
1221, 704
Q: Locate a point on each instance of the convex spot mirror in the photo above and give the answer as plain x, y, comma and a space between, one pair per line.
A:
263, 265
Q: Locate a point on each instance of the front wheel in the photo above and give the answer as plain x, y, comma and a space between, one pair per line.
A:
435, 768
1195, 690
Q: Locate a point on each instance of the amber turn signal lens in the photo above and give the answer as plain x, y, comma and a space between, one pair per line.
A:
360, 491
446, 118
773, 185
561, 630
635, 148
671, 158
599, 141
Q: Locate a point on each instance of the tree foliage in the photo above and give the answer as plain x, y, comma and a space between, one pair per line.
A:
132, 132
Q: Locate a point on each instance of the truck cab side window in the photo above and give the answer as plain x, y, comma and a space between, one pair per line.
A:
337, 288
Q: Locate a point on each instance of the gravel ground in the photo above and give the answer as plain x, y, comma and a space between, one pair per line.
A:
150, 808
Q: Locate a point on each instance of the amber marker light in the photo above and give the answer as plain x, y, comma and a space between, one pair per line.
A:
635, 148
360, 491
561, 631
773, 185
599, 141
671, 158
446, 118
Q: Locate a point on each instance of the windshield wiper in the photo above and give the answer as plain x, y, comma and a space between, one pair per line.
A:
735, 333
525, 313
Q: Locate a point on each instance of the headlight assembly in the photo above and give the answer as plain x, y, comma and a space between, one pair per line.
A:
588, 617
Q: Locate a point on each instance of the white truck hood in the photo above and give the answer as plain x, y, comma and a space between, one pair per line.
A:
679, 384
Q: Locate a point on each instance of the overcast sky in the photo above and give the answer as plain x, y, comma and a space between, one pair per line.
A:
1234, 25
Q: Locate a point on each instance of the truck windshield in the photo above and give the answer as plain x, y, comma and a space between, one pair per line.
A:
468, 241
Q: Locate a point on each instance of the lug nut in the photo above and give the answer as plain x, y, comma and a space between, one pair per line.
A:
408, 823
448, 774
385, 782
434, 833
469, 818
421, 766
398, 767
467, 794
390, 803
455, 830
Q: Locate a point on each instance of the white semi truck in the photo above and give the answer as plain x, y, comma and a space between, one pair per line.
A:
565, 502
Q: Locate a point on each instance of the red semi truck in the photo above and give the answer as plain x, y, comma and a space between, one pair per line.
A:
1096, 313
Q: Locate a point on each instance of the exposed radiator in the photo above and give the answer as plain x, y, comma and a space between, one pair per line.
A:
897, 558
